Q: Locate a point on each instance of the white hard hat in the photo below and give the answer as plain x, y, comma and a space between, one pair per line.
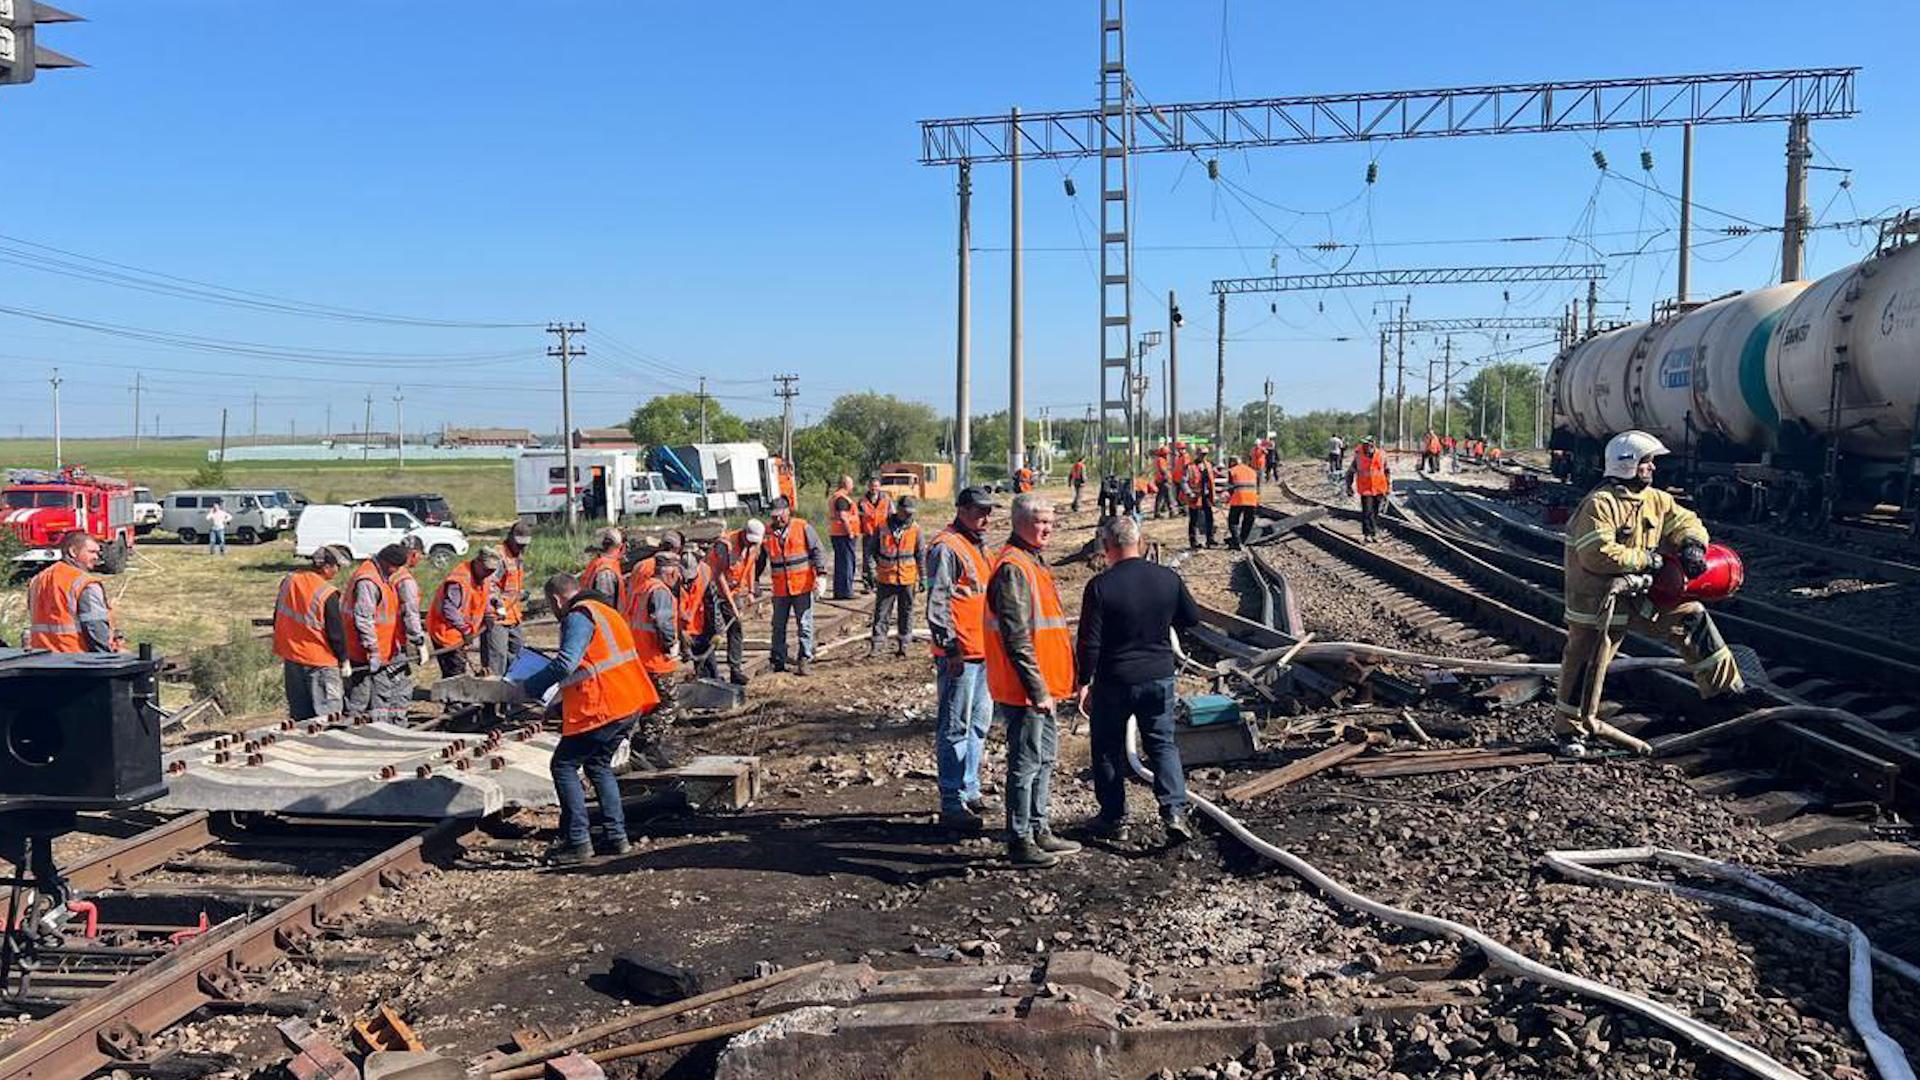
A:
1628, 449
756, 531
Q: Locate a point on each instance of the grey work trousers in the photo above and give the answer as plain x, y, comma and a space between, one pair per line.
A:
886, 601
313, 692
499, 644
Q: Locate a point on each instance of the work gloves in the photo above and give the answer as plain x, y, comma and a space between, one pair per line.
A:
426, 653
1655, 561
1693, 558
346, 669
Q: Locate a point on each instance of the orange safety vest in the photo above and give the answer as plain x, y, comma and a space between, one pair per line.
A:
1023, 479
647, 635
1052, 641
787, 561
693, 602
897, 561
1078, 474
1369, 471
1243, 486
610, 562
1433, 444
845, 516
386, 616
511, 583
733, 545
609, 684
1160, 473
1494, 453
969, 592
1199, 484
53, 607
444, 634
300, 619
1259, 456
873, 515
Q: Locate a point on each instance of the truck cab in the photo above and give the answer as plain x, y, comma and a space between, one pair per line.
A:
920, 479
41, 507
648, 495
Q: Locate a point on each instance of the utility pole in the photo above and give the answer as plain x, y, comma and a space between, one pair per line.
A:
565, 352
787, 393
58, 461
136, 410
399, 427
1173, 369
1267, 392
1429, 423
328, 435
1593, 303
1016, 360
1686, 210
1380, 410
366, 432
1400, 385
963, 359
703, 408
1540, 411
1503, 405
1220, 375
254, 438
1446, 392
1793, 237
223, 435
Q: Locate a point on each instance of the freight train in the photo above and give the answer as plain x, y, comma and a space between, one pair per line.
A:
1797, 401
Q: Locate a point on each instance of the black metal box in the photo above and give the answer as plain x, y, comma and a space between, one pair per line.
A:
78, 731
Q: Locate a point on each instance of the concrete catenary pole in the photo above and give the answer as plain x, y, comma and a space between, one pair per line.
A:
1446, 390
1686, 211
1400, 383
1220, 376
1173, 368
1793, 236
1380, 408
1016, 377
963, 345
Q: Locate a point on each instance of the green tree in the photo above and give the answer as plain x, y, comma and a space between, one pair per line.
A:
823, 454
674, 419
766, 431
886, 429
1519, 384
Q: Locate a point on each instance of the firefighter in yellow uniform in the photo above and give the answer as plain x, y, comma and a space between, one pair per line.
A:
1618, 538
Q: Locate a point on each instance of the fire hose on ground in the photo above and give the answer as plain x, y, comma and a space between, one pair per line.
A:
1706, 1036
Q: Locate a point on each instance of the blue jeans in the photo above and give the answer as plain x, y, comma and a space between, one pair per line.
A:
846, 560
593, 751
1033, 741
963, 715
1151, 704
216, 541
784, 607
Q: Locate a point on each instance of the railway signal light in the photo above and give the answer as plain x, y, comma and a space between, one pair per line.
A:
20, 56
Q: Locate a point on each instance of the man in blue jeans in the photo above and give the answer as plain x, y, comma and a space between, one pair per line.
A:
957, 569
1125, 658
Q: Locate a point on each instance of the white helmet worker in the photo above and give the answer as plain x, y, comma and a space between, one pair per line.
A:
1628, 449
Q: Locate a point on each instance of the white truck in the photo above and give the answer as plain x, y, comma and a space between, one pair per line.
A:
736, 475
609, 485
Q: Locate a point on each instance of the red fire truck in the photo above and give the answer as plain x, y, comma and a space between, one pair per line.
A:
43, 506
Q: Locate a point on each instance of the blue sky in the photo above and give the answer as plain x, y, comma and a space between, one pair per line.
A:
733, 190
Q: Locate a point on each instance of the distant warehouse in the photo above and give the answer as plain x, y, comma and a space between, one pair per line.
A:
488, 436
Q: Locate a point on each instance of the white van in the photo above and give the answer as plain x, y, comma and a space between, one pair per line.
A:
257, 514
364, 530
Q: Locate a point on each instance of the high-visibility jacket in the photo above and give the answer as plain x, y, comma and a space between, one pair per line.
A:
386, 616
1199, 484
844, 517
1494, 453
635, 584
445, 635
649, 638
53, 608
1077, 475
1160, 474
608, 562
788, 563
511, 583
969, 593
897, 560
1243, 486
1259, 456
1434, 445
693, 602
609, 684
874, 515
1022, 479
1449, 444
1052, 640
732, 560
1370, 471
300, 619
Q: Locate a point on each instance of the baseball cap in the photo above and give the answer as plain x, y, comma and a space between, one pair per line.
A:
975, 497
520, 533
756, 530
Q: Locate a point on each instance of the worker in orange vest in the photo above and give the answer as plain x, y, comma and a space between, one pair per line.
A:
901, 568
843, 524
1370, 477
700, 618
1430, 454
372, 612
459, 606
310, 637
957, 568
791, 558
672, 542
603, 694
67, 607
1029, 674
1162, 484
1077, 479
1022, 479
1198, 489
501, 637
1453, 453
654, 618
732, 558
397, 691
1243, 501
1259, 463
605, 569
875, 507
1494, 455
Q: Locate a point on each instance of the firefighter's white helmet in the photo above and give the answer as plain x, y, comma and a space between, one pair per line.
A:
1626, 450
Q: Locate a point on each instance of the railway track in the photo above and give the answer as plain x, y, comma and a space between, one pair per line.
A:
1515, 598
190, 914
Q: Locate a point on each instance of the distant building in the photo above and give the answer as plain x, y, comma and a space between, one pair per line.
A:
489, 436
603, 438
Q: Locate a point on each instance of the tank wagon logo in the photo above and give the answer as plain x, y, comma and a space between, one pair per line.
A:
1902, 313
1795, 334
1676, 368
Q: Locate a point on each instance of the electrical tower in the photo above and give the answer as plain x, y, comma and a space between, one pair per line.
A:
1116, 227
565, 353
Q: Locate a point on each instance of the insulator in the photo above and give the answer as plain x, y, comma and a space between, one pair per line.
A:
1068, 180
1213, 168
1646, 160
1600, 160
1373, 171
